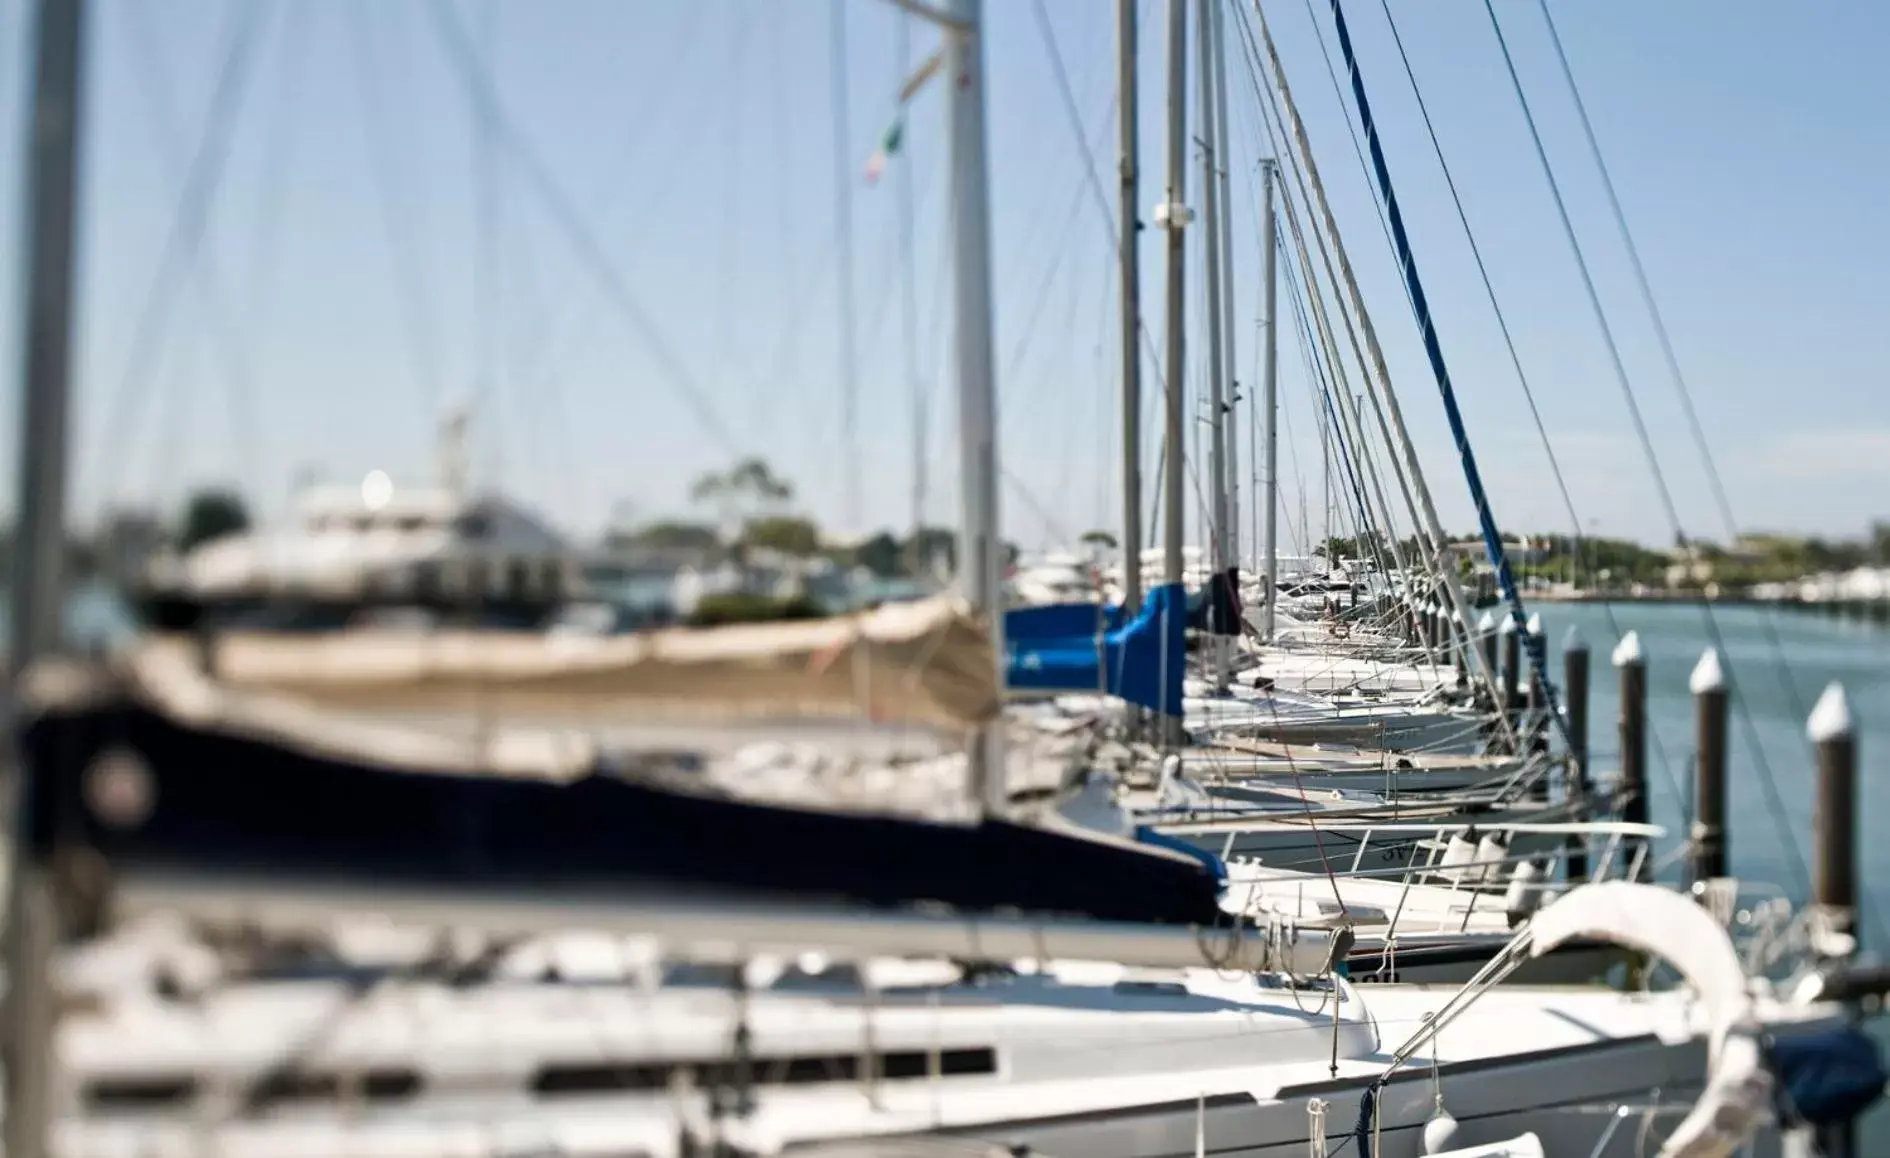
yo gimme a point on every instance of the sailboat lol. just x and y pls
(1017, 982)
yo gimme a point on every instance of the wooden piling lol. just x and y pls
(1575, 771)
(1533, 708)
(1834, 837)
(1486, 639)
(1708, 684)
(1631, 663)
(1834, 820)
(1529, 678)
(1512, 660)
(1459, 649)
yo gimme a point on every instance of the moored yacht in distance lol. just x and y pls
(376, 546)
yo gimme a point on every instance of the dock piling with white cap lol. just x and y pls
(1708, 685)
(1632, 664)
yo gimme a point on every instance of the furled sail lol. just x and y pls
(925, 662)
(166, 778)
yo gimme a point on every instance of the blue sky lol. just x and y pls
(694, 143)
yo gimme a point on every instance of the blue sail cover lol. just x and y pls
(1061, 620)
(1141, 663)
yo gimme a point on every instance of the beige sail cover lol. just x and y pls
(925, 663)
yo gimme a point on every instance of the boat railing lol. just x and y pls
(1482, 877)
(1235, 826)
(1771, 934)
(1646, 920)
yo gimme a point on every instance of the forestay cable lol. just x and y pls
(1532, 644)
(1515, 360)
(1681, 389)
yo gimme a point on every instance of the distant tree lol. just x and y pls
(1880, 542)
(1102, 540)
(784, 533)
(745, 491)
(212, 514)
(737, 607)
(668, 536)
(881, 554)
(748, 486)
(1844, 556)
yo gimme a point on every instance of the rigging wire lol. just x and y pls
(1775, 802)
(1671, 777)
(182, 242)
(728, 335)
(1654, 313)
(280, 148)
(1263, 136)
(488, 290)
(1664, 337)
(230, 342)
(1271, 113)
(843, 256)
(1153, 369)
(398, 216)
(1273, 123)
(784, 153)
(582, 240)
(643, 117)
(1532, 645)
(908, 295)
(1326, 382)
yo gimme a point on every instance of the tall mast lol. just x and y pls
(39, 547)
(909, 326)
(1230, 432)
(1211, 259)
(1173, 215)
(1379, 380)
(979, 547)
(1130, 260)
(843, 297)
(1269, 391)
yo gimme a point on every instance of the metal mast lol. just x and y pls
(39, 547)
(1230, 432)
(1269, 392)
(1130, 260)
(1211, 258)
(1173, 215)
(980, 549)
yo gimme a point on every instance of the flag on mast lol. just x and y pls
(888, 148)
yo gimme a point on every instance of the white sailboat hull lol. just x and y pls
(1147, 1097)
